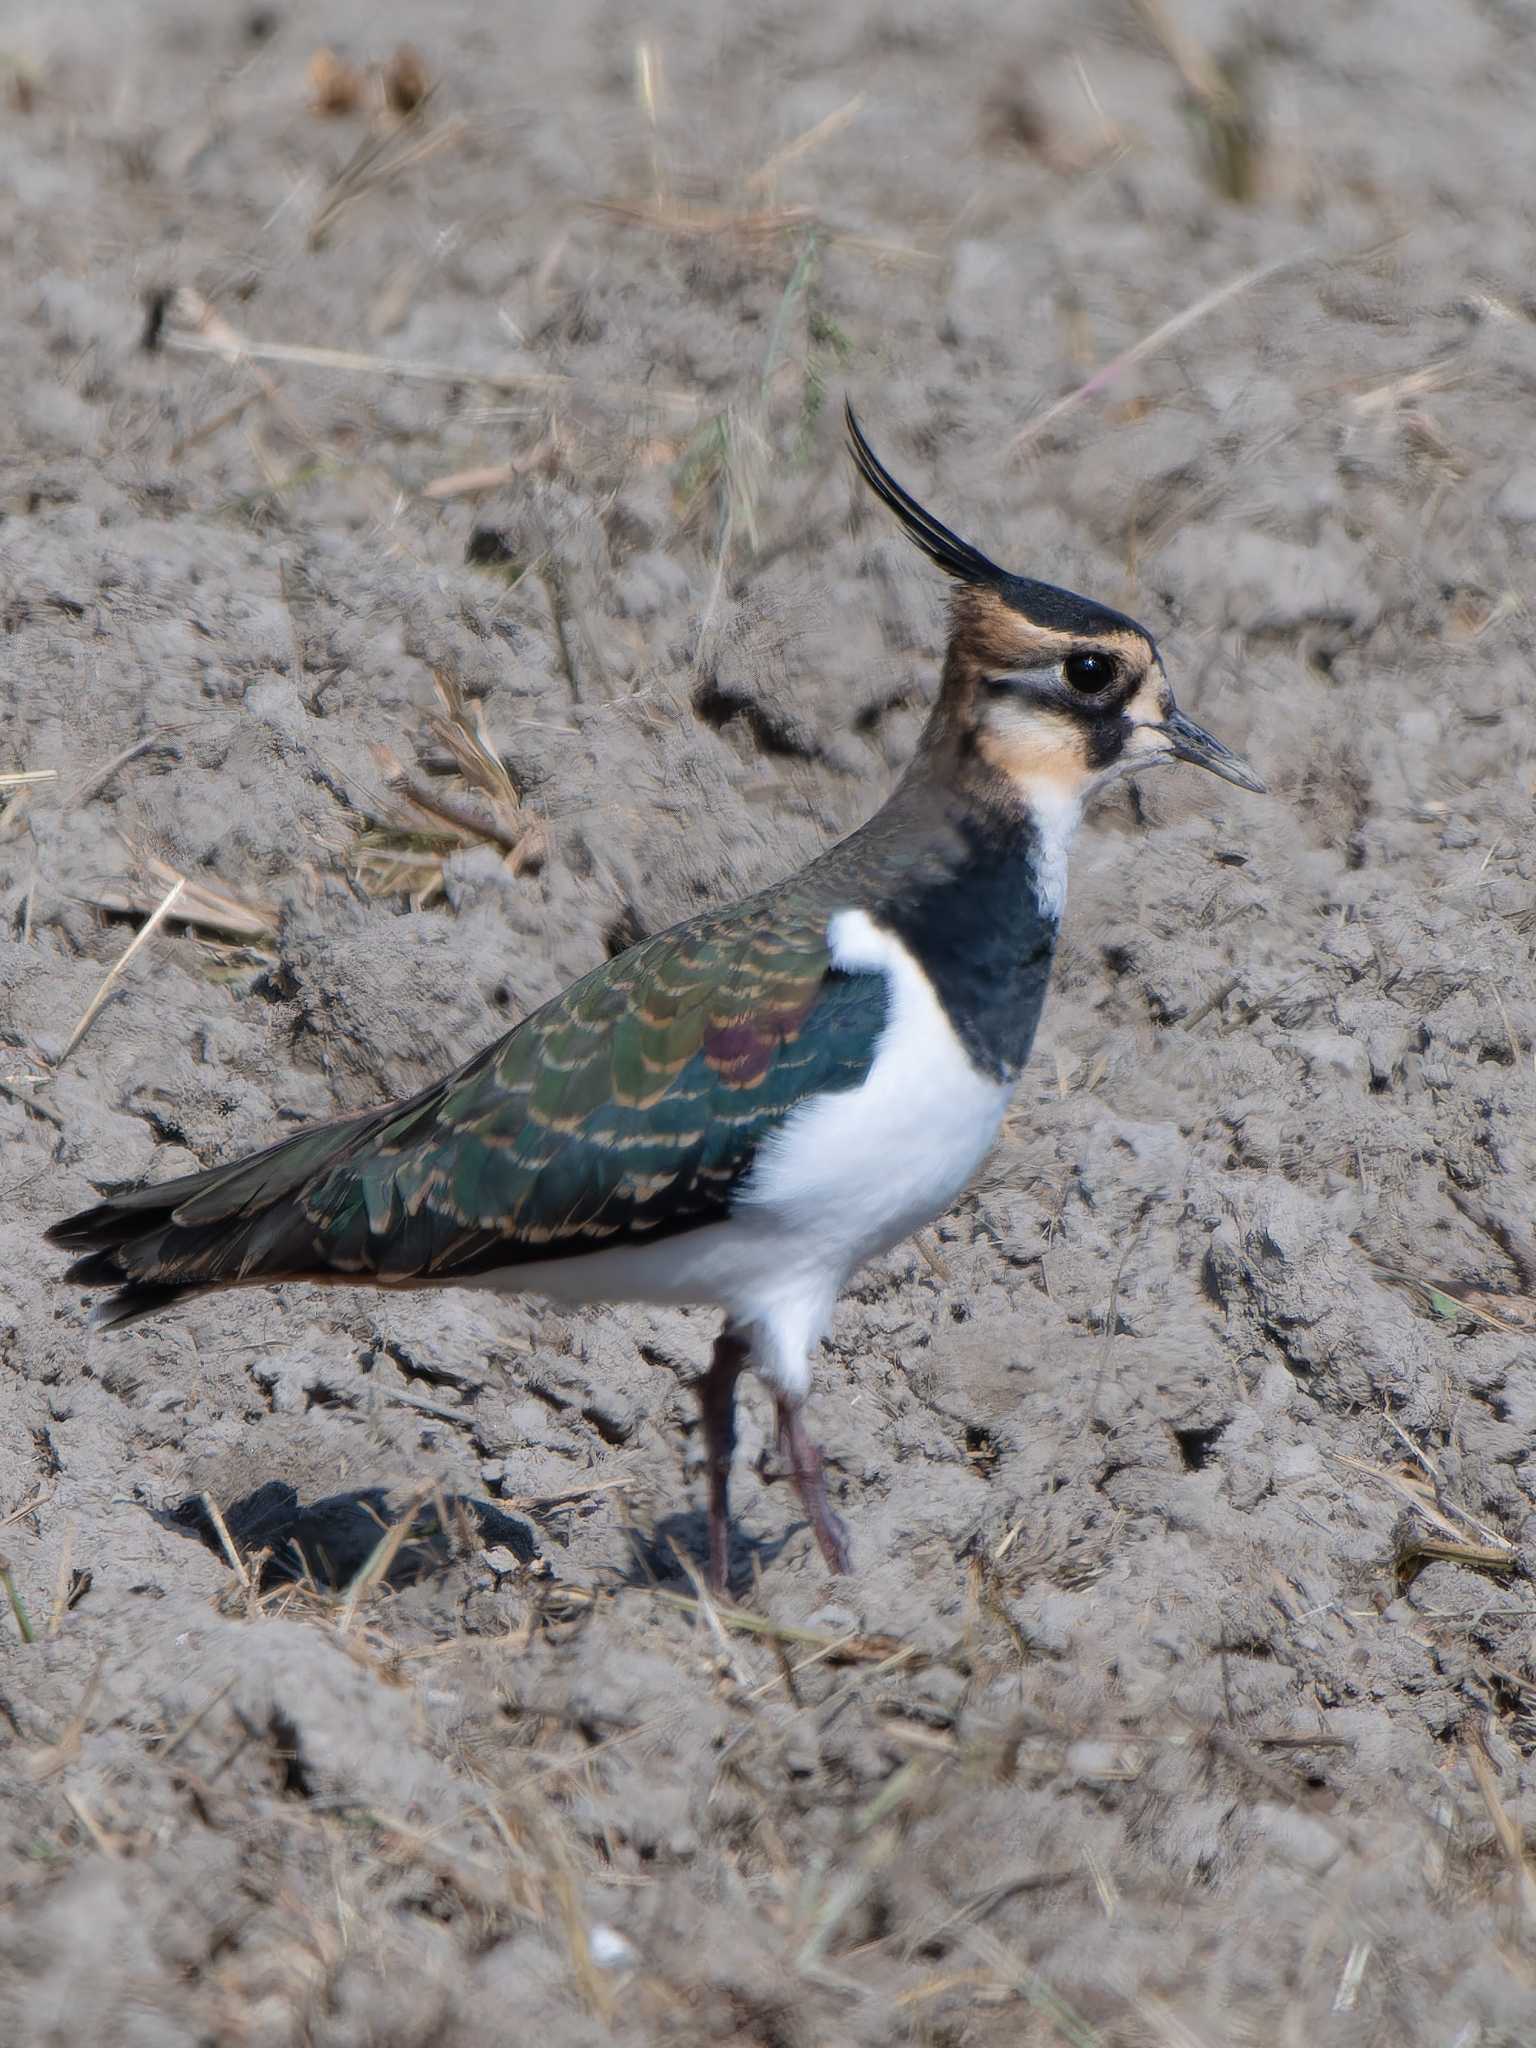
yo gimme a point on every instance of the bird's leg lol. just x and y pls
(806, 1469)
(717, 1403)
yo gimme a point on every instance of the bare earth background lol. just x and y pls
(1184, 1692)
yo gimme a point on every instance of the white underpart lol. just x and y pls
(845, 1177)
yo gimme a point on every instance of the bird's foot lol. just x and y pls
(808, 1470)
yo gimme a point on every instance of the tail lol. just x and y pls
(232, 1225)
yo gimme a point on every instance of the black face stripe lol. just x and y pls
(1105, 740)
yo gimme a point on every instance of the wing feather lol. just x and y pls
(629, 1108)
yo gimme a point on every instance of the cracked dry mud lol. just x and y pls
(1183, 1691)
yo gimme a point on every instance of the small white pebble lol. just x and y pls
(501, 1561)
(836, 1620)
(610, 1950)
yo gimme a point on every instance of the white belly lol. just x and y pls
(860, 1170)
(846, 1176)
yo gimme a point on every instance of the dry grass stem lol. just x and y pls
(810, 139)
(38, 1498)
(226, 1541)
(842, 1649)
(384, 1553)
(1008, 1974)
(196, 1718)
(1508, 1312)
(1513, 1314)
(478, 804)
(705, 1605)
(927, 1246)
(191, 322)
(648, 91)
(206, 903)
(99, 778)
(468, 483)
(1479, 1556)
(1505, 1827)
(1190, 59)
(1149, 344)
(106, 1843)
(227, 416)
(61, 1581)
(1484, 1546)
(378, 162)
(1382, 398)
(462, 814)
(139, 940)
(57, 1756)
(193, 328)
(15, 1089)
(693, 221)
(543, 1503)
(23, 1625)
(1222, 98)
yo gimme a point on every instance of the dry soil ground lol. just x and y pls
(1184, 1691)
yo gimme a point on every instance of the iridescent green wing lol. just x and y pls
(628, 1109)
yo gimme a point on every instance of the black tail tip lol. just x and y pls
(129, 1299)
(96, 1269)
(75, 1233)
(132, 1302)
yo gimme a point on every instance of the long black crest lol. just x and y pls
(1061, 611)
(953, 555)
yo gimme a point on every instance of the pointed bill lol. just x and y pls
(1191, 742)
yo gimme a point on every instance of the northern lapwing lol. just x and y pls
(744, 1109)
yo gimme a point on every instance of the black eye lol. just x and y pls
(1089, 673)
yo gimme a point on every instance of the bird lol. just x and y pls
(742, 1110)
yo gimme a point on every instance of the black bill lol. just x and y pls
(1192, 742)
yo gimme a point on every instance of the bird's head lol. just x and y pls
(1047, 691)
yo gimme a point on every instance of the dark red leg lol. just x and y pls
(717, 1402)
(805, 1466)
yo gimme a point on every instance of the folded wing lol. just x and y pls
(629, 1108)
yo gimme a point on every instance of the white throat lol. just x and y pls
(1056, 813)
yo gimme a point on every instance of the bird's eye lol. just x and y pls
(1089, 673)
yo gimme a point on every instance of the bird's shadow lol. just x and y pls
(656, 1553)
(329, 1542)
